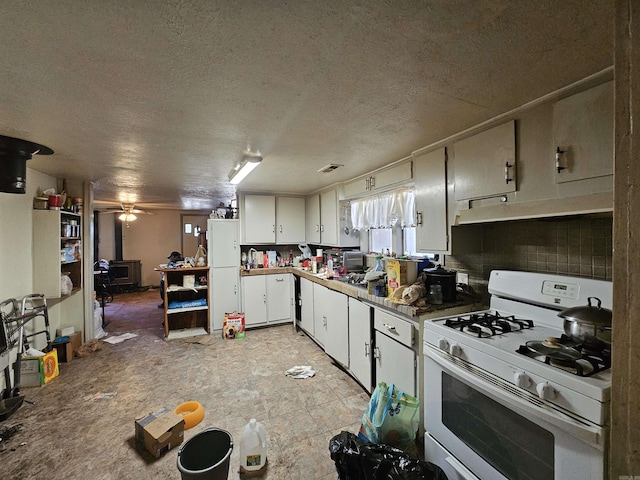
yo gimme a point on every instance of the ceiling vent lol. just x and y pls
(329, 168)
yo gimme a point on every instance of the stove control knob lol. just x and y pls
(521, 379)
(455, 350)
(546, 391)
(443, 344)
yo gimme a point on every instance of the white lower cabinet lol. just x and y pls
(360, 349)
(334, 306)
(395, 358)
(267, 299)
(306, 314)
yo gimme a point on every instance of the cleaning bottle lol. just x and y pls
(253, 447)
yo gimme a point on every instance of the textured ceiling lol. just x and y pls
(155, 101)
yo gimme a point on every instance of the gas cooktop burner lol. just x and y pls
(488, 324)
(588, 361)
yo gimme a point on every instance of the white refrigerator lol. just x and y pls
(223, 253)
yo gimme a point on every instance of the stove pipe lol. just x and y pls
(14, 154)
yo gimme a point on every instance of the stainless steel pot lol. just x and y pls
(589, 324)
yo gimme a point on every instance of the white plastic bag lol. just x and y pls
(66, 285)
(97, 321)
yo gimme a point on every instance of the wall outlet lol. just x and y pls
(462, 278)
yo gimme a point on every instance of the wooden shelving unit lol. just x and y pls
(188, 320)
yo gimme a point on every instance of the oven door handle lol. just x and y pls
(497, 388)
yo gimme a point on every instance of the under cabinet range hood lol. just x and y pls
(14, 154)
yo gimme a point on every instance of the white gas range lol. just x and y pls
(503, 399)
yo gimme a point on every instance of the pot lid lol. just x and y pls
(589, 314)
(552, 349)
(439, 271)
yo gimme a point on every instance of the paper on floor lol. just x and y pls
(300, 371)
(119, 338)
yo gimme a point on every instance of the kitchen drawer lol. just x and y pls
(394, 327)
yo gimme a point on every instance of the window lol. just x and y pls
(380, 239)
(409, 241)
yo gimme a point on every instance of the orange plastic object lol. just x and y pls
(192, 412)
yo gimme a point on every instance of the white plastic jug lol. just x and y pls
(253, 446)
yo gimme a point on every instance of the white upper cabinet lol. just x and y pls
(378, 181)
(259, 219)
(583, 134)
(223, 245)
(291, 220)
(486, 163)
(271, 219)
(329, 217)
(313, 219)
(431, 201)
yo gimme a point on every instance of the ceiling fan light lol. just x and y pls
(247, 166)
(127, 217)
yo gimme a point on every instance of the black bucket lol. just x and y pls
(206, 455)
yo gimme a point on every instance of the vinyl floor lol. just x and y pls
(81, 424)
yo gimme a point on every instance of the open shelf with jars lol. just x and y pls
(57, 252)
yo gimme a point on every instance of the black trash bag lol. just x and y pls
(357, 459)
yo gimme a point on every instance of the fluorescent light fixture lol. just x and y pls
(249, 162)
(127, 217)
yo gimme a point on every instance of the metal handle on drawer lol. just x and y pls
(280, 279)
(559, 154)
(389, 327)
(507, 178)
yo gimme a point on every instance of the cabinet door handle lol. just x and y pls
(317, 227)
(280, 228)
(507, 178)
(366, 349)
(366, 183)
(279, 279)
(376, 352)
(235, 244)
(419, 218)
(559, 154)
(372, 183)
(389, 327)
(265, 298)
(324, 321)
(322, 228)
(274, 228)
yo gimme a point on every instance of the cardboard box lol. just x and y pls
(233, 325)
(36, 371)
(400, 272)
(75, 340)
(66, 350)
(160, 430)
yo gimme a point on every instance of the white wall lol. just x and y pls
(150, 239)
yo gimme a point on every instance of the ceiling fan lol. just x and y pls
(128, 212)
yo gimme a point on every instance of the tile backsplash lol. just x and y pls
(580, 247)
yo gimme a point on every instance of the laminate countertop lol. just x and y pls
(412, 312)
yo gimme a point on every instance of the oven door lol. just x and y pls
(499, 431)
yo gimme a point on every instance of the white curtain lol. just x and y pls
(384, 211)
